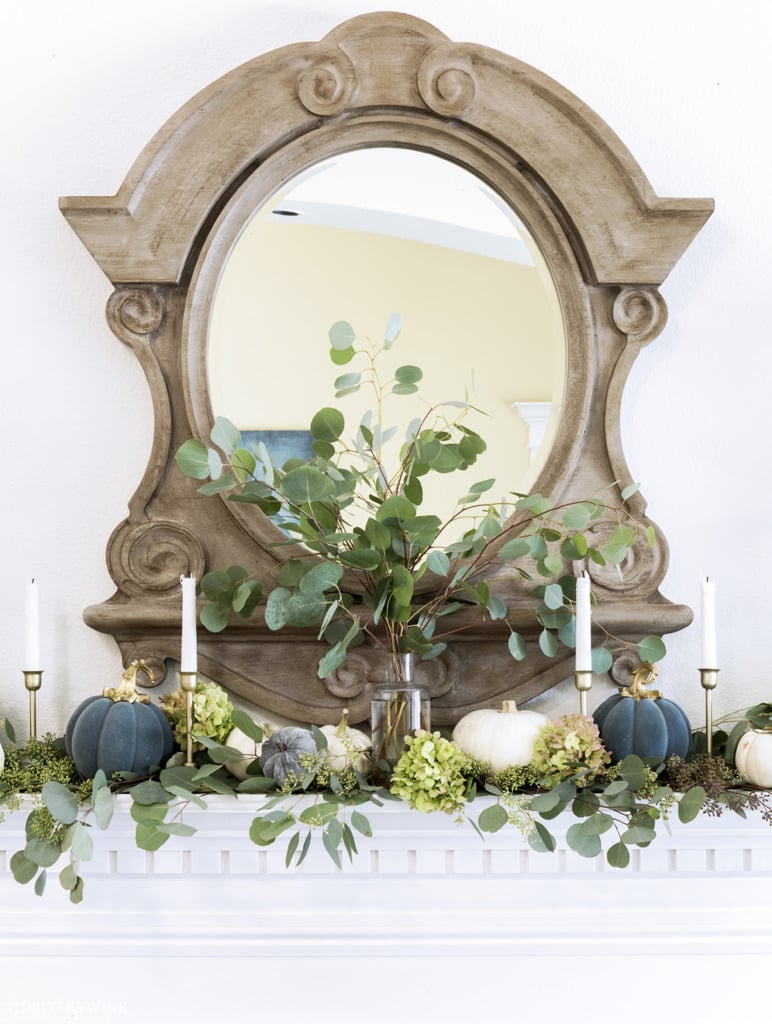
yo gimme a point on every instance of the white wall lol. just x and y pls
(85, 85)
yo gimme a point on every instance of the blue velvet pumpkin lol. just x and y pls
(636, 721)
(118, 732)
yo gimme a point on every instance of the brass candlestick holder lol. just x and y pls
(33, 681)
(583, 683)
(188, 685)
(709, 680)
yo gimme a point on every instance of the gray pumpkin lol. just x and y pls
(280, 753)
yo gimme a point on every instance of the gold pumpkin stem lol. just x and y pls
(509, 707)
(126, 689)
(643, 676)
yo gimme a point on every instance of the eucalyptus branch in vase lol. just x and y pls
(357, 507)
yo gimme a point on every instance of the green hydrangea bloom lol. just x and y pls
(430, 774)
(569, 746)
(212, 711)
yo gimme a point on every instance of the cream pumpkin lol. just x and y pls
(346, 747)
(753, 757)
(503, 737)
(239, 740)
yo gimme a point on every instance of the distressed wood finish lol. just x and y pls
(379, 79)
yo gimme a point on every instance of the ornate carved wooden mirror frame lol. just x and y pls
(378, 79)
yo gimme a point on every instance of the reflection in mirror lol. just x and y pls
(366, 234)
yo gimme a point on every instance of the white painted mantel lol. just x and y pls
(423, 892)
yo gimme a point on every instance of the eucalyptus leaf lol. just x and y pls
(277, 608)
(630, 490)
(638, 836)
(68, 877)
(516, 646)
(691, 803)
(514, 548)
(220, 485)
(225, 435)
(408, 374)
(548, 643)
(541, 839)
(215, 617)
(553, 596)
(149, 838)
(576, 517)
(342, 335)
(633, 770)
(193, 459)
(545, 802)
(214, 463)
(150, 792)
(618, 855)
(597, 824)
(306, 485)
(393, 327)
(360, 558)
(250, 728)
(361, 823)
(82, 843)
(602, 660)
(42, 852)
(586, 845)
(496, 607)
(319, 814)
(176, 828)
(103, 807)
(292, 846)
(332, 849)
(438, 562)
(492, 818)
(22, 868)
(60, 801)
(651, 648)
(148, 814)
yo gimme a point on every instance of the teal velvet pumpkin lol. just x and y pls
(118, 732)
(646, 726)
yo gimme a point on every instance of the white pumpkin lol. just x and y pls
(346, 747)
(753, 757)
(502, 738)
(249, 748)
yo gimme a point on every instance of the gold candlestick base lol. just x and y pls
(188, 685)
(33, 682)
(709, 680)
(583, 683)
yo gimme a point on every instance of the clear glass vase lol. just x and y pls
(399, 707)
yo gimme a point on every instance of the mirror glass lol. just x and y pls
(364, 235)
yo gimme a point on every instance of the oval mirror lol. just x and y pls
(363, 235)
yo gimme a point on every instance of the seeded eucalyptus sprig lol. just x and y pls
(358, 506)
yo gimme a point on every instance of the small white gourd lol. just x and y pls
(346, 747)
(753, 757)
(502, 738)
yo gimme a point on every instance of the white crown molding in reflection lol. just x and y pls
(535, 416)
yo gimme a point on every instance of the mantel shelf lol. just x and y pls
(420, 883)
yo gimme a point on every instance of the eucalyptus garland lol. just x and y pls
(570, 772)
